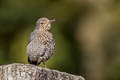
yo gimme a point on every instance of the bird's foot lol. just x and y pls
(44, 65)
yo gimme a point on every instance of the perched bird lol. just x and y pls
(41, 42)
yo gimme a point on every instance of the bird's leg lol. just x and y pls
(44, 65)
(39, 60)
(38, 63)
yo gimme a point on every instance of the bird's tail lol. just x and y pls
(34, 62)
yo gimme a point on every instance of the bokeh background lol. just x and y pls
(87, 34)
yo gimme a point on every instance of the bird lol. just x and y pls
(41, 42)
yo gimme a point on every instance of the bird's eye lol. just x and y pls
(41, 23)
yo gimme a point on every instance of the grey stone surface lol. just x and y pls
(17, 71)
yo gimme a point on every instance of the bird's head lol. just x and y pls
(44, 23)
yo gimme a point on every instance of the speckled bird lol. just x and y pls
(41, 42)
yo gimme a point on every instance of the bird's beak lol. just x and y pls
(52, 20)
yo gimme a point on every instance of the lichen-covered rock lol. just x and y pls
(18, 71)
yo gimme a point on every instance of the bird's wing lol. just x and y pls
(32, 35)
(35, 49)
(49, 48)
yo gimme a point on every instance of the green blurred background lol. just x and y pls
(87, 34)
